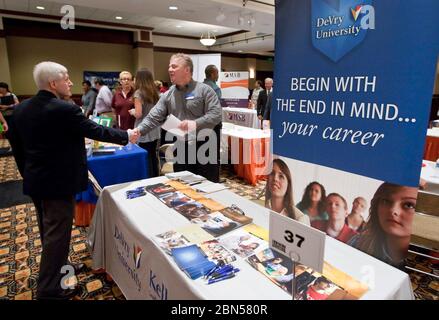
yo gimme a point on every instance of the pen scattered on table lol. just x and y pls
(135, 193)
(220, 272)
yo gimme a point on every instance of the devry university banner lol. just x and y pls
(234, 89)
(353, 84)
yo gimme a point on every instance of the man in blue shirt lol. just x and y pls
(212, 75)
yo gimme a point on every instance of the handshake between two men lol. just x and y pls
(185, 126)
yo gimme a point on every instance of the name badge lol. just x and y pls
(189, 96)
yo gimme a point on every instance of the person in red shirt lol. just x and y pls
(318, 290)
(335, 227)
(123, 101)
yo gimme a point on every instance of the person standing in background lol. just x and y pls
(264, 100)
(212, 75)
(88, 99)
(103, 99)
(145, 97)
(123, 101)
(8, 101)
(255, 94)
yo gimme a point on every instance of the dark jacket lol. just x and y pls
(262, 101)
(47, 139)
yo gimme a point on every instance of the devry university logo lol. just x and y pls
(338, 26)
(137, 253)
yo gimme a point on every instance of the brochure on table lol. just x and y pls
(218, 236)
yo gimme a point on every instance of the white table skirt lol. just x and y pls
(120, 225)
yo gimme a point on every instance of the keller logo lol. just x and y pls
(338, 26)
(137, 253)
(158, 287)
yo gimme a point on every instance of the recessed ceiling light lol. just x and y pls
(40, 8)
(118, 18)
(239, 51)
(178, 26)
(173, 8)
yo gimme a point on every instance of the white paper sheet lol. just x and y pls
(171, 124)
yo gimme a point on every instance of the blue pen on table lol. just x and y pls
(217, 275)
(224, 269)
(229, 275)
(211, 271)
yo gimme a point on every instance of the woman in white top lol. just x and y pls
(279, 193)
(255, 94)
(145, 98)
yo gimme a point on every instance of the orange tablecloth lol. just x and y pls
(431, 151)
(253, 160)
(83, 213)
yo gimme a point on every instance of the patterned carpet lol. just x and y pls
(20, 249)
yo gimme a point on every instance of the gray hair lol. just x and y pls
(187, 60)
(47, 71)
(269, 79)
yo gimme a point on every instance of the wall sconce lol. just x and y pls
(252, 73)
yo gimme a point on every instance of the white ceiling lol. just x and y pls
(193, 16)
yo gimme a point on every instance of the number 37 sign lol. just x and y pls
(301, 243)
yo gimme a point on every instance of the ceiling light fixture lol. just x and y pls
(40, 8)
(118, 18)
(178, 26)
(208, 40)
(173, 8)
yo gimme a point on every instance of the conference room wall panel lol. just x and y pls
(77, 56)
(264, 64)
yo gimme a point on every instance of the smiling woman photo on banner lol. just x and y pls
(279, 193)
(313, 202)
(388, 230)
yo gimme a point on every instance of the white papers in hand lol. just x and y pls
(171, 124)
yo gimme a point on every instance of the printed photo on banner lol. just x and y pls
(370, 215)
(353, 118)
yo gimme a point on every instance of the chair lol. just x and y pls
(425, 235)
(166, 156)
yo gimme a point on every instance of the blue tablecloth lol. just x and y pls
(128, 163)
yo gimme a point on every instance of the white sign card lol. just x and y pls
(300, 242)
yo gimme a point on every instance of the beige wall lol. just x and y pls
(77, 56)
(161, 63)
(234, 64)
(264, 65)
(143, 58)
(4, 64)
(176, 43)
